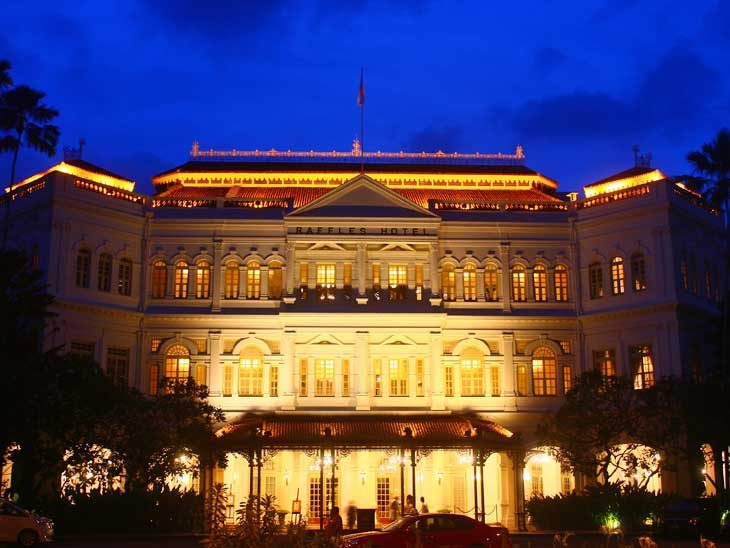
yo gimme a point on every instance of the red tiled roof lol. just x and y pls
(304, 195)
(377, 430)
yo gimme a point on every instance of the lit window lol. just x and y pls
(605, 362)
(397, 282)
(159, 279)
(202, 280)
(228, 379)
(519, 287)
(449, 380)
(494, 377)
(567, 378)
(231, 280)
(398, 377)
(419, 282)
(347, 280)
(491, 283)
(104, 280)
(125, 277)
(303, 281)
(420, 378)
(82, 348)
(181, 280)
(617, 276)
(177, 364)
(154, 379)
(684, 271)
(595, 279)
(470, 282)
(638, 272)
(275, 280)
(155, 344)
(376, 277)
(565, 345)
(642, 366)
(378, 380)
(201, 374)
(250, 373)
(521, 380)
(561, 283)
(253, 280)
(345, 377)
(448, 282)
(536, 483)
(324, 377)
(303, 369)
(539, 282)
(326, 282)
(83, 268)
(472, 373)
(273, 381)
(544, 372)
(117, 365)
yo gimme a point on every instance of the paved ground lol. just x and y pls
(531, 540)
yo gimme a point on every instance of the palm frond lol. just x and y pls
(43, 138)
(8, 143)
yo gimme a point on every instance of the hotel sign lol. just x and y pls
(361, 231)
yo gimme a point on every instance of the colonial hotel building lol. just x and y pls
(395, 332)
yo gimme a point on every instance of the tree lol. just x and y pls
(5, 80)
(25, 120)
(606, 429)
(711, 165)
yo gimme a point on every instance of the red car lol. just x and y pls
(432, 531)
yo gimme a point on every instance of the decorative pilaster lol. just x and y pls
(361, 370)
(264, 282)
(506, 281)
(286, 374)
(434, 267)
(438, 402)
(290, 268)
(216, 367)
(508, 366)
(217, 275)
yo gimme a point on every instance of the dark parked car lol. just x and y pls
(691, 518)
(432, 531)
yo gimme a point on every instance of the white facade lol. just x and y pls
(234, 315)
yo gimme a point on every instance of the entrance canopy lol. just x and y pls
(365, 431)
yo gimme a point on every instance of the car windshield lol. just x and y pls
(398, 524)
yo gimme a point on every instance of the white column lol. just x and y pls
(216, 367)
(310, 378)
(216, 273)
(362, 263)
(506, 277)
(286, 373)
(338, 377)
(434, 267)
(290, 268)
(361, 368)
(437, 372)
(412, 377)
(508, 367)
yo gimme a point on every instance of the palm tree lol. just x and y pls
(24, 119)
(5, 80)
(711, 165)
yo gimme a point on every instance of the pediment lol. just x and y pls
(398, 340)
(325, 340)
(328, 246)
(362, 197)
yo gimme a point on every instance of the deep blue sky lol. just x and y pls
(575, 83)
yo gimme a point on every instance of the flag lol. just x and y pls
(361, 93)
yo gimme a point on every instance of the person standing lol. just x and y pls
(424, 506)
(351, 513)
(394, 509)
(334, 524)
(410, 509)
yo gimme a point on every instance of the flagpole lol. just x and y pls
(361, 103)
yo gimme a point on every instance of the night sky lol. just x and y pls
(575, 83)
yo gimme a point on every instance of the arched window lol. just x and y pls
(177, 364)
(231, 283)
(595, 279)
(519, 284)
(561, 283)
(471, 369)
(448, 282)
(275, 280)
(83, 268)
(182, 272)
(159, 279)
(638, 272)
(253, 280)
(617, 276)
(539, 282)
(251, 373)
(202, 280)
(544, 372)
(470, 282)
(491, 283)
(104, 280)
(125, 277)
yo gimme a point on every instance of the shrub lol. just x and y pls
(598, 507)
